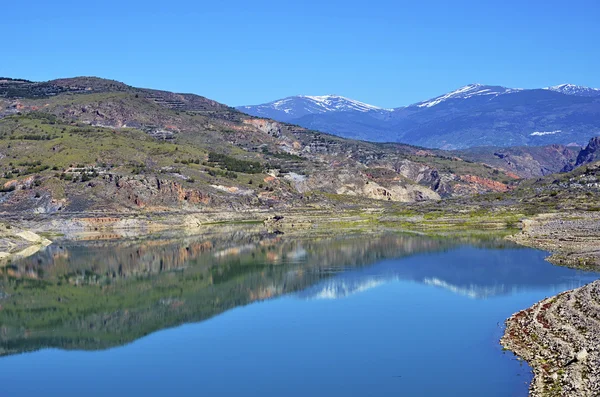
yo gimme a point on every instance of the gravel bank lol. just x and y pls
(560, 339)
(573, 239)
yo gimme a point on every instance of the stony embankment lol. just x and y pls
(18, 243)
(573, 239)
(560, 338)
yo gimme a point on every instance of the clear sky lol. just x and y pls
(388, 53)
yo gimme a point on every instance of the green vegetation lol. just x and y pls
(282, 155)
(82, 150)
(233, 164)
(225, 174)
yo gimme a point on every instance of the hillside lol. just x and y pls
(525, 161)
(93, 145)
(473, 115)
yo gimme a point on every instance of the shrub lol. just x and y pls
(7, 189)
(233, 164)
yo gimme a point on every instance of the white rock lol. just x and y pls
(29, 236)
(582, 355)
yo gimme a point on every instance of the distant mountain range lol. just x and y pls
(473, 115)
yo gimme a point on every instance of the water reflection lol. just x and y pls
(98, 294)
(477, 274)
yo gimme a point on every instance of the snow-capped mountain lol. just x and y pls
(466, 92)
(336, 103)
(473, 115)
(578, 90)
(301, 105)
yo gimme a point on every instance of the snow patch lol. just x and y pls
(542, 133)
(466, 92)
(572, 89)
(340, 103)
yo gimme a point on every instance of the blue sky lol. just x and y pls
(388, 53)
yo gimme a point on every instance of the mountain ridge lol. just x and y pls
(473, 115)
(296, 106)
(572, 89)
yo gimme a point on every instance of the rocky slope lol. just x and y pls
(525, 161)
(589, 154)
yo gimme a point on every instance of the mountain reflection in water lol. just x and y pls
(477, 274)
(98, 294)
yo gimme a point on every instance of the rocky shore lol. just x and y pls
(17, 243)
(573, 239)
(560, 339)
(560, 336)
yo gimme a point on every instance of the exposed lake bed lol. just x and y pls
(355, 315)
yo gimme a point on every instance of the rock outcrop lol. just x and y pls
(560, 338)
(589, 154)
(16, 243)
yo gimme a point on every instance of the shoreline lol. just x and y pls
(297, 222)
(559, 337)
(573, 239)
(16, 243)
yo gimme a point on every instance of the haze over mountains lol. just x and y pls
(473, 115)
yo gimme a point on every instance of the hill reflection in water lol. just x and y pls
(98, 294)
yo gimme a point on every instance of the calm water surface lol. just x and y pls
(249, 314)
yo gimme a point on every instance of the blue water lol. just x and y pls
(426, 324)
